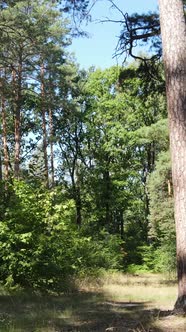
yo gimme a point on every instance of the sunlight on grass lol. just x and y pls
(153, 289)
(116, 299)
(171, 323)
(163, 297)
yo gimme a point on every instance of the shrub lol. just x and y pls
(40, 245)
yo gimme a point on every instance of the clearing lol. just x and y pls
(117, 302)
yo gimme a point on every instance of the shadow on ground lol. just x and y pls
(79, 312)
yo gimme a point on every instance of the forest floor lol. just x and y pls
(115, 303)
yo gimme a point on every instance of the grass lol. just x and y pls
(116, 301)
(155, 289)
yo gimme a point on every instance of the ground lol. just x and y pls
(116, 302)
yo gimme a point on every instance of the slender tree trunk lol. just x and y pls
(51, 130)
(173, 30)
(17, 82)
(43, 112)
(4, 139)
(77, 191)
(51, 146)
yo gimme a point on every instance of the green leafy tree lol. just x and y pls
(120, 142)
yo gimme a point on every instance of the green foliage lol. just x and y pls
(102, 251)
(40, 245)
(96, 138)
(161, 198)
(165, 258)
(33, 219)
(162, 226)
(160, 255)
(155, 259)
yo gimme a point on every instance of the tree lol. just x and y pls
(114, 158)
(174, 55)
(33, 39)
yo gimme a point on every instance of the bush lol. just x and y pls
(40, 245)
(165, 259)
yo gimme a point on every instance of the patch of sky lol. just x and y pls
(98, 49)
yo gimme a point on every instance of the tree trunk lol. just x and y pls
(173, 30)
(43, 112)
(51, 147)
(77, 191)
(4, 139)
(17, 82)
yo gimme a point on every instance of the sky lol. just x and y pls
(98, 49)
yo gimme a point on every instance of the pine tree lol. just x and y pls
(174, 54)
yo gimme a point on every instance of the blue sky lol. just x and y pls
(98, 49)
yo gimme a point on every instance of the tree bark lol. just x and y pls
(51, 147)
(17, 82)
(4, 139)
(43, 112)
(173, 30)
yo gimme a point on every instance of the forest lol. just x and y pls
(85, 167)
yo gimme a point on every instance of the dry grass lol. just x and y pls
(170, 324)
(158, 291)
(117, 301)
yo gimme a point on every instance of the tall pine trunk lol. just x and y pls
(51, 130)
(17, 86)
(4, 139)
(173, 30)
(51, 147)
(44, 128)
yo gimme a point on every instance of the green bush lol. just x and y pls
(161, 259)
(165, 259)
(40, 245)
